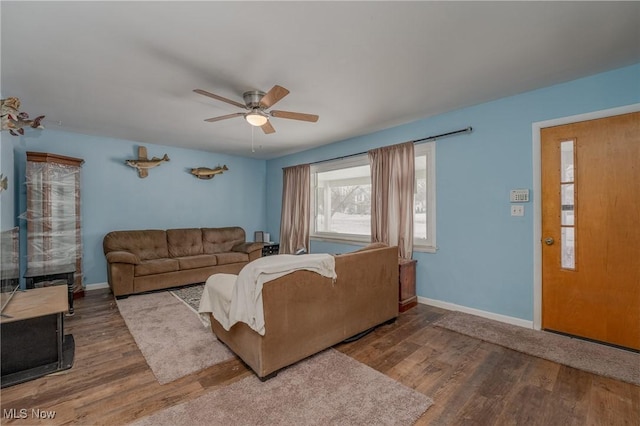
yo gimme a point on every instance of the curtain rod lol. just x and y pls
(430, 138)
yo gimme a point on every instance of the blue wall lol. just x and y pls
(114, 197)
(7, 197)
(485, 257)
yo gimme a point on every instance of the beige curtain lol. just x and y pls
(294, 221)
(392, 188)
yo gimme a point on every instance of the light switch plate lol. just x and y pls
(517, 210)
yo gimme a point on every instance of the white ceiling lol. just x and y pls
(127, 70)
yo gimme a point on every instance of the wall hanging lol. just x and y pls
(143, 164)
(4, 182)
(207, 173)
(13, 120)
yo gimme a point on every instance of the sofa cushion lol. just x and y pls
(146, 244)
(155, 266)
(220, 240)
(199, 261)
(231, 257)
(184, 242)
(122, 257)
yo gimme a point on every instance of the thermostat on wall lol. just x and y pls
(519, 196)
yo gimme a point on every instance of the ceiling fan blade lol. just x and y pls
(274, 95)
(224, 117)
(267, 128)
(295, 116)
(220, 98)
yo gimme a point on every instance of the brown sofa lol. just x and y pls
(152, 259)
(305, 312)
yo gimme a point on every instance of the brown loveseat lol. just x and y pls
(305, 312)
(152, 259)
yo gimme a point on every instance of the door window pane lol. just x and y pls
(566, 161)
(568, 248)
(567, 205)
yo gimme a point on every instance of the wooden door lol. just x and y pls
(591, 229)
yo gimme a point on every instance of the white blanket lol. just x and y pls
(246, 295)
(216, 296)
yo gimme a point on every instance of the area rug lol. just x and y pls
(190, 295)
(584, 355)
(170, 335)
(329, 388)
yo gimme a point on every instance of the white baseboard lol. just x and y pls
(96, 286)
(423, 300)
(490, 315)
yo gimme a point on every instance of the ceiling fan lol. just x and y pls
(257, 103)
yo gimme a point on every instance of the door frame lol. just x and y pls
(536, 127)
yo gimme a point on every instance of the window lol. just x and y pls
(341, 199)
(424, 199)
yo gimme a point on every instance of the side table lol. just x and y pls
(270, 249)
(407, 285)
(39, 274)
(33, 341)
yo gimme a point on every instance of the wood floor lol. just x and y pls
(470, 381)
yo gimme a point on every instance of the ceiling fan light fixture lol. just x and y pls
(256, 119)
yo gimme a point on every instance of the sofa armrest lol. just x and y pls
(122, 257)
(248, 247)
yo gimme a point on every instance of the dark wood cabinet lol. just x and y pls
(407, 284)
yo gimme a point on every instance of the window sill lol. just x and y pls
(346, 240)
(354, 242)
(425, 249)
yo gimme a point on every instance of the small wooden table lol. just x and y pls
(33, 342)
(38, 274)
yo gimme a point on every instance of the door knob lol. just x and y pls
(548, 241)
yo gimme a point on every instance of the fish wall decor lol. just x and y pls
(207, 173)
(14, 121)
(143, 164)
